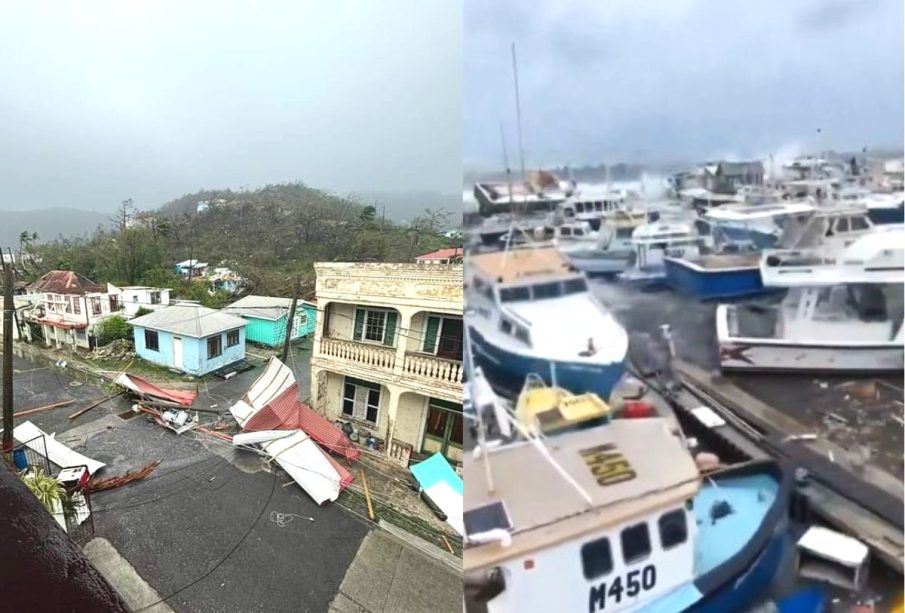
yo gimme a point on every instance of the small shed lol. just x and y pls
(266, 318)
(190, 338)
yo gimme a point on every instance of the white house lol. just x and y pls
(193, 267)
(70, 307)
(135, 297)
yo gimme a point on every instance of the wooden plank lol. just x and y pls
(95, 404)
(44, 408)
(364, 483)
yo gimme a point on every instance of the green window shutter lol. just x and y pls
(430, 334)
(390, 335)
(359, 324)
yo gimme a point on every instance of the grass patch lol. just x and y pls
(138, 367)
(355, 501)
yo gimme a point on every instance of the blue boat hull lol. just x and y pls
(713, 284)
(507, 371)
(744, 580)
(883, 216)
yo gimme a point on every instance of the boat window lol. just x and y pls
(565, 231)
(673, 530)
(569, 212)
(635, 543)
(522, 335)
(842, 224)
(574, 286)
(624, 232)
(859, 223)
(506, 326)
(598, 206)
(513, 294)
(579, 207)
(596, 558)
(578, 232)
(547, 290)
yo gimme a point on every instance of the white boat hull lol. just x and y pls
(779, 355)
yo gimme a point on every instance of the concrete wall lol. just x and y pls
(41, 569)
(194, 351)
(341, 320)
(410, 416)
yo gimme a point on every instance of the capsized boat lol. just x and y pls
(840, 314)
(593, 520)
(530, 311)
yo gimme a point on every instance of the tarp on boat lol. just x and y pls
(309, 466)
(443, 486)
(145, 388)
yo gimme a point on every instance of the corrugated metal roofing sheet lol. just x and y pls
(189, 320)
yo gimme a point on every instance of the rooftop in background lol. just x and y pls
(65, 282)
(189, 319)
(442, 254)
(517, 264)
(262, 307)
(545, 509)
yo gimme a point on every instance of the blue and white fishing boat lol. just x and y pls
(591, 520)
(738, 233)
(530, 311)
(734, 271)
(652, 243)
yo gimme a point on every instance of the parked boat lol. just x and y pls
(530, 311)
(596, 522)
(592, 206)
(840, 314)
(614, 252)
(736, 272)
(885, 208)
(653, 242)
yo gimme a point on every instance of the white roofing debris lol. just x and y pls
(306, 463)
(261, 436)
(57, 452)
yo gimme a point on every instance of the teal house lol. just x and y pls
(266, 317)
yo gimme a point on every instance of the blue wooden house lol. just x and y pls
(266, 317)
(190, 338)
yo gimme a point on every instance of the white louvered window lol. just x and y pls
(361, 400)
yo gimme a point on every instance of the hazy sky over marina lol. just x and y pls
(654, 80)
(104, 100)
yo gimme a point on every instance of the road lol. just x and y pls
(213, 529)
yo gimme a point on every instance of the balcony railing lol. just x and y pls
(431, 367)
(360, 353)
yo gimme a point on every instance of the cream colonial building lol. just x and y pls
(387, 353)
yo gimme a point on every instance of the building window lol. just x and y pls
(673, 530)
(596, 558)
(361, 400)
(95, 305)
(135, 298)
(76, 305)
(378, 326)
(443, 337)
(232, 338)
(155, 297)
(635, 543)
(444, 422)
(214, 346)
(151, 340)
(114, 303)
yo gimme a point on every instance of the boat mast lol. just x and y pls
(482, 438)
(518, 113)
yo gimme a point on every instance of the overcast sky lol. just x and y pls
(101, 101)
(658, 80)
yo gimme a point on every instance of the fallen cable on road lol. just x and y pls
(98, 485)
(281, 519)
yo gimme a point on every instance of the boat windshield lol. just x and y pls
(543, 291)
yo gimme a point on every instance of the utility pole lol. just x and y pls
(295, 297)
(8, 310)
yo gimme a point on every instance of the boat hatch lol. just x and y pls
(487, 519)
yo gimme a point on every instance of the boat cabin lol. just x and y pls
(602, 525)
(592, 208)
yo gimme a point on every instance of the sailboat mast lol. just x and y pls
(518, 113)
(506, 165)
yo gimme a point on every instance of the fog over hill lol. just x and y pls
(48, 223)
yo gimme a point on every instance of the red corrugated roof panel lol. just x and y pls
(287, 412)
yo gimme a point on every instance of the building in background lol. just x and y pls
(69, 308)
(387, 354)
(135, 297)
(267, 315)
(190, 338)
(452, 255)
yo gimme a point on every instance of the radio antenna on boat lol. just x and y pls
(482, 435)
(518, 113)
